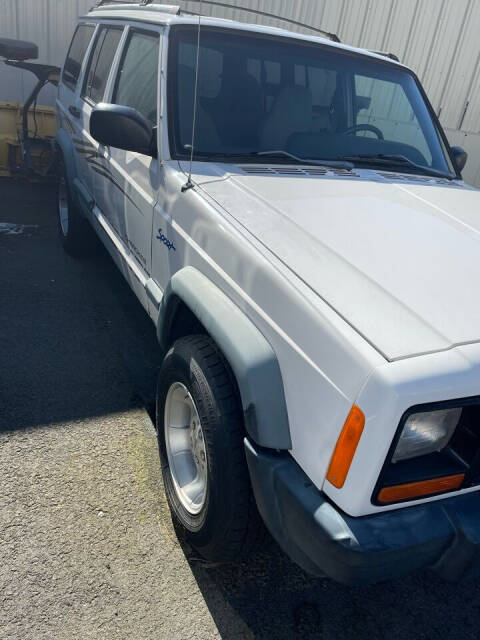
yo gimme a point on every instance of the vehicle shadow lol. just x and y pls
(74, 340)
(270, 597)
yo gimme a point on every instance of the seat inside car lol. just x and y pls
(206, 134)
(291, 114)
(238, 108)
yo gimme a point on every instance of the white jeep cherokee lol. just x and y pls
(290, 214)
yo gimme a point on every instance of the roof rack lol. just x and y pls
(385, 54)
(100, 3)
(167, 8)
(332, 36)
(128, 4)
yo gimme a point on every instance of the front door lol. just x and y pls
(126, 190)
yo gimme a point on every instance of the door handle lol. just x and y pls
(76, 113)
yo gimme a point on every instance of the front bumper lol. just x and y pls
(442, 535)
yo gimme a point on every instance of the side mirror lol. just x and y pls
(460, 157)
(123, 128)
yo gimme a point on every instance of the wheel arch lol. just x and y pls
(66, 150)
(193, 298)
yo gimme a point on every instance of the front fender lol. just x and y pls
(250, 356)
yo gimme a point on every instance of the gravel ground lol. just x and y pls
(87, 548)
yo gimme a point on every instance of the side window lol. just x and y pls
(76, 53)
(137, 79)
(101, 60)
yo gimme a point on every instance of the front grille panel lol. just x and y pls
(465, 443)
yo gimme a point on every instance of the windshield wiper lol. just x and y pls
(279, 153)
(394, 160)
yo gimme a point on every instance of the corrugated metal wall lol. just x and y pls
(438, 38)
(50, 24)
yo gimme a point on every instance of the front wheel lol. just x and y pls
(200, 433)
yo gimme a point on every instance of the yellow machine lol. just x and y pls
(41, 126)
(27, 131)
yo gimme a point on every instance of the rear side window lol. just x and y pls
(100, 63)
(76, 53)
(137, 79)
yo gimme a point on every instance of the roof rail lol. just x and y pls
(385, 54)
(129, 4)
(167, 8)
(100, 3)
(333, 36)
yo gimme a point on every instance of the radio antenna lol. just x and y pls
(189, 183)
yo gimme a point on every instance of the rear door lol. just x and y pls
(126, 189)
(100, 61)
(69, 112)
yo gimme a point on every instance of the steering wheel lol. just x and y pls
(364, 127)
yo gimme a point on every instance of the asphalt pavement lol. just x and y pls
(87, 547)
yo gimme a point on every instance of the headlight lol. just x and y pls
(434, 452)
(426, 432)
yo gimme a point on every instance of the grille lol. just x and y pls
(465, 443)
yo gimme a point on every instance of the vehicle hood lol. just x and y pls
(398, 260)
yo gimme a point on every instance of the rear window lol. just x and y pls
(100, 63)
(76, 53)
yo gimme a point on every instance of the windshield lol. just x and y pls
(261, 95)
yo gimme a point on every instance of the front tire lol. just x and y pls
(76, 235)
(200, 433)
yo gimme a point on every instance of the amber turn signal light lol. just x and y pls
(346, 447)
(419, 489)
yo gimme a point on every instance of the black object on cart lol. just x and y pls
(18, 54)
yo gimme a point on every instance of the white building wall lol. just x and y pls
(49, 23)
(437, 38)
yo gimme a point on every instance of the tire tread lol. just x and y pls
(247, 532)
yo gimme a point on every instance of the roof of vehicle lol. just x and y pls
(173, 15)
